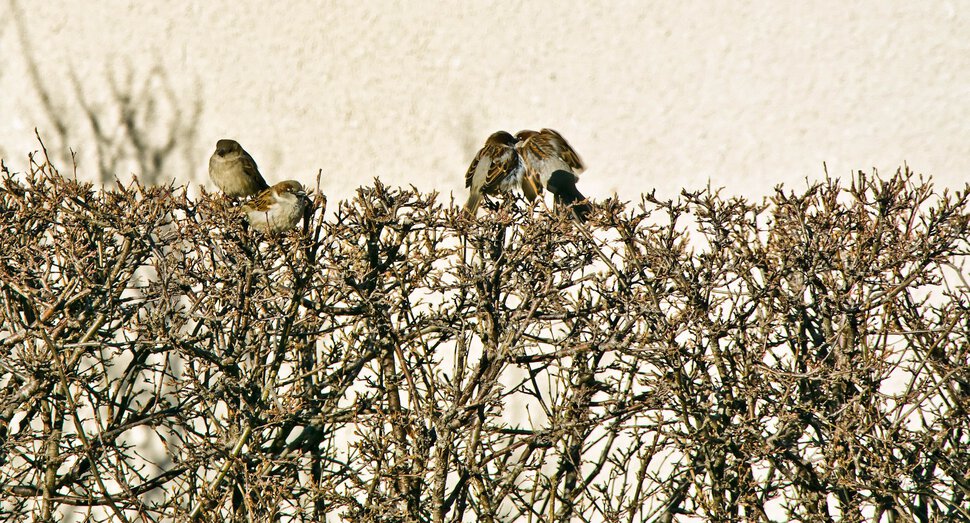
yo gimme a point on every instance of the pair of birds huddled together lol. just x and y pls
(532, 161)
(272, 209)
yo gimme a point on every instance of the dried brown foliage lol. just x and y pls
(802, 359)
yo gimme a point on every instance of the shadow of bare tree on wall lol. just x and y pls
(139, 124)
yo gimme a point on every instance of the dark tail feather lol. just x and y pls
(563, 185)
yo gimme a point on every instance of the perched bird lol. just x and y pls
(555, 165)
(496, 168)
(234, 171)
(278, 208)
(546, 151)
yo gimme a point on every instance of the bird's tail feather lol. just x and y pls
(474, 200)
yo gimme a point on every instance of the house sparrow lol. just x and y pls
(496, 168)
(278, 208)
(234, 171)
(553, 164)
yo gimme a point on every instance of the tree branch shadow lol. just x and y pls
(145, 125)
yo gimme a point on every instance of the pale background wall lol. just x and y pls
(653, 94)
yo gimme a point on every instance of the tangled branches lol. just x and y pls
(805, 358)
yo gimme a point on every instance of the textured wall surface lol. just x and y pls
(653, 94)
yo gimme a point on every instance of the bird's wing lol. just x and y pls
(261, 202)
(566, 152)
(505, 161)
(470, 174)
(252, 171)
(490, 167)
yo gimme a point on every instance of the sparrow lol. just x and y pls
(234, 171)
(552, 163)
(496, 168)
(278, 208)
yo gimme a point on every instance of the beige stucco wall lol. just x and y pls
(653, 94)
